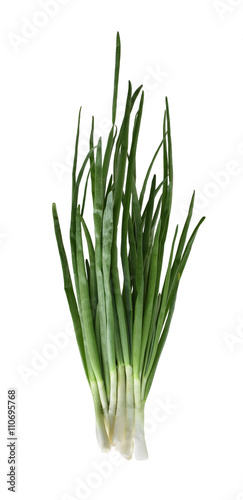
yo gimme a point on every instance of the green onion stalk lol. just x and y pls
(122, 317)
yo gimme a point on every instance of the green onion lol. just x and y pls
(121, 320)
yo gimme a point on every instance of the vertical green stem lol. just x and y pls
(119, 427)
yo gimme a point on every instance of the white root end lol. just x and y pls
(127, 445)
(126, 448)
(141, 452)
(101, 434)
(112, 406)
(123, 424)
(101, 431)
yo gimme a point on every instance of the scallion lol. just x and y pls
(121, 320)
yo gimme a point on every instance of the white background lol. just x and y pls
(191, 51)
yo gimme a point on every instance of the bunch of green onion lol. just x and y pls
(122, 322)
